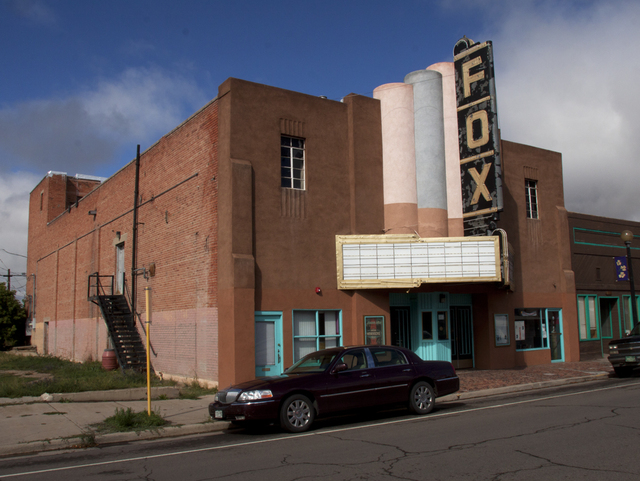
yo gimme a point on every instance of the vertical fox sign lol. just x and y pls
(480, 168)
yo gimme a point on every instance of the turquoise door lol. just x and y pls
(268, 337)
(434, 331)
(556, 344)
(422, 321)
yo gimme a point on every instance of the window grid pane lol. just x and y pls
(292, 163)
(582, 317)
(314, 330)
(531, 193)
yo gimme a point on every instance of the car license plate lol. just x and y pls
(218, 414)
(630, 359)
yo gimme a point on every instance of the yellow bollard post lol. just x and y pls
(147, 292)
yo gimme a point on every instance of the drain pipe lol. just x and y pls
(135, 240)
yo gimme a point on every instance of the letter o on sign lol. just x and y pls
(480, 116)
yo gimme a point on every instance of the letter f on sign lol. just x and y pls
(467, 79)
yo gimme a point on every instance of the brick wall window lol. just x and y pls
(531, 192)
(292, 163)
(315, 330)
(587, 318)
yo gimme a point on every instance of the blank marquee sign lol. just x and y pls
(397, 261)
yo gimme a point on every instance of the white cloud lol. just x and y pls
(81, 132)
(14, 217)
(142, 103)
(565, 80)
(78, 134)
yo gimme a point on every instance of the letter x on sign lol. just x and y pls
(480, 179)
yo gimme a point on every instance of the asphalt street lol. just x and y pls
(582, 431)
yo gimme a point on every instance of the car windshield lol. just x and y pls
(315, 362)
(635, 331)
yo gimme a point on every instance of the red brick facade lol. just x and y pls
(177, 230)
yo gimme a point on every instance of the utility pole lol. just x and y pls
(8, 275)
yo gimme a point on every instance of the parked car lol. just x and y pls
(337, 380)
(624, 353)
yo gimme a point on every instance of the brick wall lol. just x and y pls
(177, 231)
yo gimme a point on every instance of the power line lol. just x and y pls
(8, 275)
(12, 253)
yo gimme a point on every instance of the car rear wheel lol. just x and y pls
(422, 398)
(296, 414)
(623, 371)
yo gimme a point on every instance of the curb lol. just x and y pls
(521, 387)
(83, 442)
(132, 394)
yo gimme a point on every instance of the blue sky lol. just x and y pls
(83, 82)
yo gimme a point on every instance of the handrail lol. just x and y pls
(100, 289)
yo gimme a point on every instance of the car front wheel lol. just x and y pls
(422, 398)
(296, 414)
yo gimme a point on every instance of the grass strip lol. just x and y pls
(65, 376)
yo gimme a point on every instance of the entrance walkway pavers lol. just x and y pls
(30, 425)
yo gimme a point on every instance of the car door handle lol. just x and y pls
(365, 375)
(406, 370)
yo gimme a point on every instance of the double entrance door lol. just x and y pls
(432, 327)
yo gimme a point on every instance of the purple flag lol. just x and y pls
(622, 271)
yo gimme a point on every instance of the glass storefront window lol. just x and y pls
(531, 329)
(427, 326)
(443, 326)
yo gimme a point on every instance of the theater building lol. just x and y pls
(273, 223)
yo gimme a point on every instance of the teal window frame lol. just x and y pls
(627, 313)
(587, 319)
(315, 336)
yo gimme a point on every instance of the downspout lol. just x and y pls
(33, 303)
(135, 240)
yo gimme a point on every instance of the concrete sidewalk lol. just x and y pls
(30, 425)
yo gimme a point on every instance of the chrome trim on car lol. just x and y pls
(392, 387)
(350, 392)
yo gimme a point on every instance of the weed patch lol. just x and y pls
(125, 420)
(195, 390)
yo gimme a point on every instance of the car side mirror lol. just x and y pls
(339, 368)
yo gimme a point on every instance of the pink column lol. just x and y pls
(399, 158)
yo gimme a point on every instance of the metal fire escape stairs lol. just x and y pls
(120, 322)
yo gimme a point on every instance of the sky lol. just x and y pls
(83, 82)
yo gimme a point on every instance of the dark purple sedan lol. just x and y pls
(338, 380)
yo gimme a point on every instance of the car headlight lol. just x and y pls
(613, 349)
(255, 395)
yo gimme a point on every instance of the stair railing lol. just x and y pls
(98, 287)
